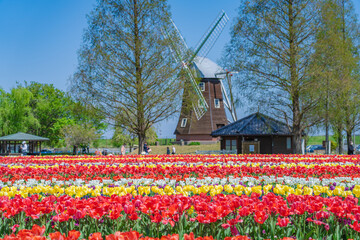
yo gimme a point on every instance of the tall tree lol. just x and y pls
(335, 66)
(271, 44)
(125, 66)
(350, 77)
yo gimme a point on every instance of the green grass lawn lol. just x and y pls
(183, 149)
(317, 140)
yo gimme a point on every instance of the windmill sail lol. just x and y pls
(211, 35)
(180, 53)
(209, 108)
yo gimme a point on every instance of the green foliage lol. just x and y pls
(43, 110)
(78, 135)
(121, 137)
(151, 136)
(194, 143)
(334, 145)
(335, 67)
(166, 141)
(16, 113)
(84, 113)
(126, 68)
(271, 43)
(51, 107)
(96, 143)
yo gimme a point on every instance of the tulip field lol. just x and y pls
(132, 197)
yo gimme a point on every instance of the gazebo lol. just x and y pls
(10, 145)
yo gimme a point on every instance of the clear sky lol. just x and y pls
(39, 39)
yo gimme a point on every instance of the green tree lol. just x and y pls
(50, 106)
(126, 69)
(335, 68)
(79, 135)
(16, 113)
(121, 137)
(4, 113)
(151, 136)
(85, 114)
(271, 45)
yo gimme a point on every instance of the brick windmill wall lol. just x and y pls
(189, 129)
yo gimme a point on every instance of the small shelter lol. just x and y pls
(10, 145)
(256, 134)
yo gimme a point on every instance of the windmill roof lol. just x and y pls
(254, 124)
(20, 136)
(206, 68)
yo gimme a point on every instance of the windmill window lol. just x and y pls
(217, 103)
(183, 122)
(202, 86)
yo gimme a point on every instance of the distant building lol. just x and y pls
(256, 134)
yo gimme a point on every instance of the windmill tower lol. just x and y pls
(189, 128)
(208, 108)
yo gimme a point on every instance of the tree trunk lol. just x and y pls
(294, 81)
(349, 140)
(340, 142)
(139, 81)
(327, 149)
(297, 140)
(74, 150)
(141, 138)
(297, 130)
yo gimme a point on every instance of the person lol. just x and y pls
(168, 151)
(351, 149)
(123, 150)
(146, 149)
(173, 149)
(24, 148)
(104, 152)
(97, 152)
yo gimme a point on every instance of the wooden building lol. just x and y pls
(189, 129)
(256, 134)
(10, 145)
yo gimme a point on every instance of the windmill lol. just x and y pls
(207, 112)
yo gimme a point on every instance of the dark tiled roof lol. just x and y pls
(254, 124)
(22, 137)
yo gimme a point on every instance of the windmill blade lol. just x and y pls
(200, 106)
(229, 99)
(177, 46)
(209, 38)
(180, 51)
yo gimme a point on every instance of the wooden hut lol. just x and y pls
(256, 134)
(10, 145)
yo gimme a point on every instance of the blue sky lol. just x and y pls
(39, 39)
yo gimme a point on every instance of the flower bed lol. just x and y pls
(180, 197)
